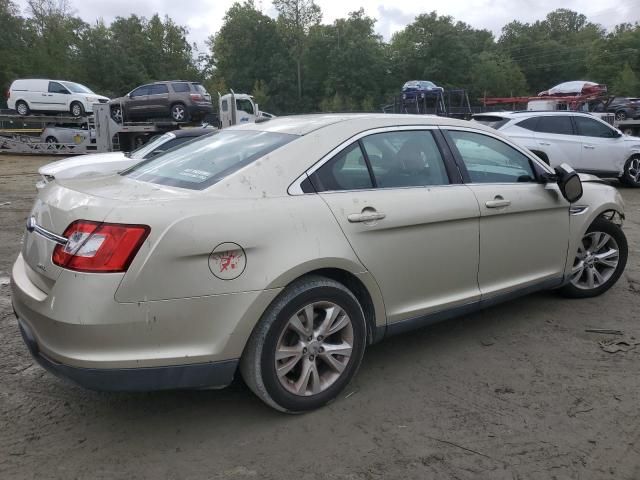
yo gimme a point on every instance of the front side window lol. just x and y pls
(559, 125)
(405, 159)
(55, 87)
(589, 127)
(489, 160)
(244, 105)
(207, 160)
(140, 91)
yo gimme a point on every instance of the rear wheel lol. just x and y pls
(179, 113)
(599, 262)
(51, 139)
(77, 109)
(22, 108)
(631, 175)
(307, 346)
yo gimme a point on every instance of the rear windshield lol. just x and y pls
(492, 121)
(207, 160)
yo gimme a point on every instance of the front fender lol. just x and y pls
(596, 200)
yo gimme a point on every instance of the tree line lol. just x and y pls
(295, 63)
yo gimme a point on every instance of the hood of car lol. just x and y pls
(97, 163)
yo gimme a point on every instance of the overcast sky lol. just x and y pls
(204, 17)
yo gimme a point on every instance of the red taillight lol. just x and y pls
(99, 247)
(196, 97)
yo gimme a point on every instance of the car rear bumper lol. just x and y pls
(200, 375)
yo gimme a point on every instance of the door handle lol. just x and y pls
(546, 144)
(498, 202)
(590, 147)
(364, 217)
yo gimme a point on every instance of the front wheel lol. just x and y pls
(307, 346)
(599, 262)
(77, 109)
(631, 175)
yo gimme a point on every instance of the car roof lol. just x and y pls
(305, 124)
(193, 132)
(532, 113)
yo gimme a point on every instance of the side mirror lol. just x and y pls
(569, 183)
(617, 133)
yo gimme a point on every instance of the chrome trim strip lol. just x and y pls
(33, 227)
(578, 209)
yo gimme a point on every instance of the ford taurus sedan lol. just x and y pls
(282, 249)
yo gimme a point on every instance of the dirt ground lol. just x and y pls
(519, 391)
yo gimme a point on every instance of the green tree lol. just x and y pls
(496, 75)
(296, 17)
(627, 82)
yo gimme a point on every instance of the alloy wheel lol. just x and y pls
(633, 170)
(22, 109)
(596, 261)
(177, 112)
(621, 116)
(116, 114)
(76, 110)
(314, 348)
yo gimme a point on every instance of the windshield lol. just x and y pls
(144, 150)
(207, 160)
(76, 87)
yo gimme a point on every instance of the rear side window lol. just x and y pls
(405, 159)
(225, 106)
(158, 89)
(593, 128)
(559, 125)
(199, 88)
(346, 171)
(492, 121)
(55, 87)
(180, 87)
(529, 123)
(489, 160)
(208, 159)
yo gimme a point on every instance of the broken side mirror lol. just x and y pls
(569, 183)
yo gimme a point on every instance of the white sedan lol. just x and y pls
(280, 250)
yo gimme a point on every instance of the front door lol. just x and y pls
(602, 148)
(57, 97)
(137, 104)
(524, 224)
(413, 228)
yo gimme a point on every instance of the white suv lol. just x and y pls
(582, 140)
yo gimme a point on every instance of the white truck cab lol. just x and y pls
(238, 108)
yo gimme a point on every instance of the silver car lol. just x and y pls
(282, 249)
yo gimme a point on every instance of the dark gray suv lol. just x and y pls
(182, 100)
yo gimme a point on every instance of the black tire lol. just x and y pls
(117, 114)
(22, 108)
(77, 109)
(631, 175)
(605, 226)
(258, 364)
(179, 113)
(51, 139)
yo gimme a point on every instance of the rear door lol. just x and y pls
(158, 99)
(556, 137)
(524, 224)
(410, 221)
(602, 149)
